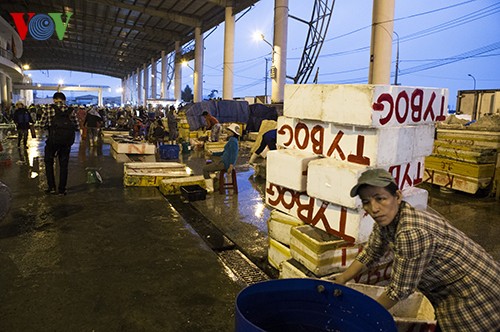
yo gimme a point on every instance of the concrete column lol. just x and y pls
(99, 97)
(3, 88)
(153, 78)
(124, 90)
(228, 73)
(139, 87)
(198, 65)
(163, 81)
(278, 73)
(177, 72)
(145, 85)
(381, 42)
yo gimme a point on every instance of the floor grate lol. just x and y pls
(242, 267)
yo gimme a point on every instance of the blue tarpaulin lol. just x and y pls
(223, 110)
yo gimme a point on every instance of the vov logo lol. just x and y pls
(41, 26)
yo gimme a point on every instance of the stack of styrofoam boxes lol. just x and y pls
(330, 135)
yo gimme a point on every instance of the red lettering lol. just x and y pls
(430, 175)
(21, 25)
(401, 118)
(317, 137)
(429, 111)
(358, 158)
(298, 128)
(290, 204)
(418, 176)
(308, 208)
(416, 105)
(406, 178)
(282, 130)
(378, 107)
(450, 180)
(385, 97)
(335, 146)
(441, 115)
(398, 173)
(270, 191)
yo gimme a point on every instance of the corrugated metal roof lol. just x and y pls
(113, 37)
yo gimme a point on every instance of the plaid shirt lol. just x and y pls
(46, 119)
(457, 275)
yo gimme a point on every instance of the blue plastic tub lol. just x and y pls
(288, 305)
(169, 151)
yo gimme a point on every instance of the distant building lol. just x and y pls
(11, 71)
(86, 100)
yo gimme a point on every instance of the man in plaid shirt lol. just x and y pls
(54, 147)
(457, 275)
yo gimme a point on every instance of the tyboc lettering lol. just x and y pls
(410, 108)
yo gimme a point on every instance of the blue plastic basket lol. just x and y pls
(169, 151)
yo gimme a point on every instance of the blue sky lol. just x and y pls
(440, 43)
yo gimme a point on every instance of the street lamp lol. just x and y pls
(473, 79)
(260, 36)
(397, 59)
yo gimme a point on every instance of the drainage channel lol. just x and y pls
(230, 255)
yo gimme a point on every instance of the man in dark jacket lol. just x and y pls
(59, 141)
(23, 121)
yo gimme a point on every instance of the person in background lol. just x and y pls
(61, 123)
(173, 132)
(156, 133)
(213, 125)
(227, 158)
(23, 121)
(93, 122)
(457, 275)
(268, 141)
(81, 114)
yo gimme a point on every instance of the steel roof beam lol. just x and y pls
(168, 15)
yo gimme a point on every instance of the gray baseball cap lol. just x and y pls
(375, 177)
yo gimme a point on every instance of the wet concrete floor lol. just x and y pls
(110, 258)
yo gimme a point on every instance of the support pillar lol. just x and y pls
(124, 90)
(381, 42)
(198, 65)
(99, 97)
(163, 80)
(139, 87)
(228, 74)
(145, 85)
(153, 78)
(177, 72)
(278, 73)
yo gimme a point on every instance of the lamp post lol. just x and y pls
(397, 59)
(260, 36)
(473, 79)
(474, 107)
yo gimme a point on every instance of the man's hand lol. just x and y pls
(230, 169)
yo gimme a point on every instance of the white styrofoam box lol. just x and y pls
(279, 225)
(288, 168)
(331, 180)
(413, 314)
(320, 252)
(277, 253)
(358, 145)
(417, 197)
(350, 225)
(131, 147)
(365, 104)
